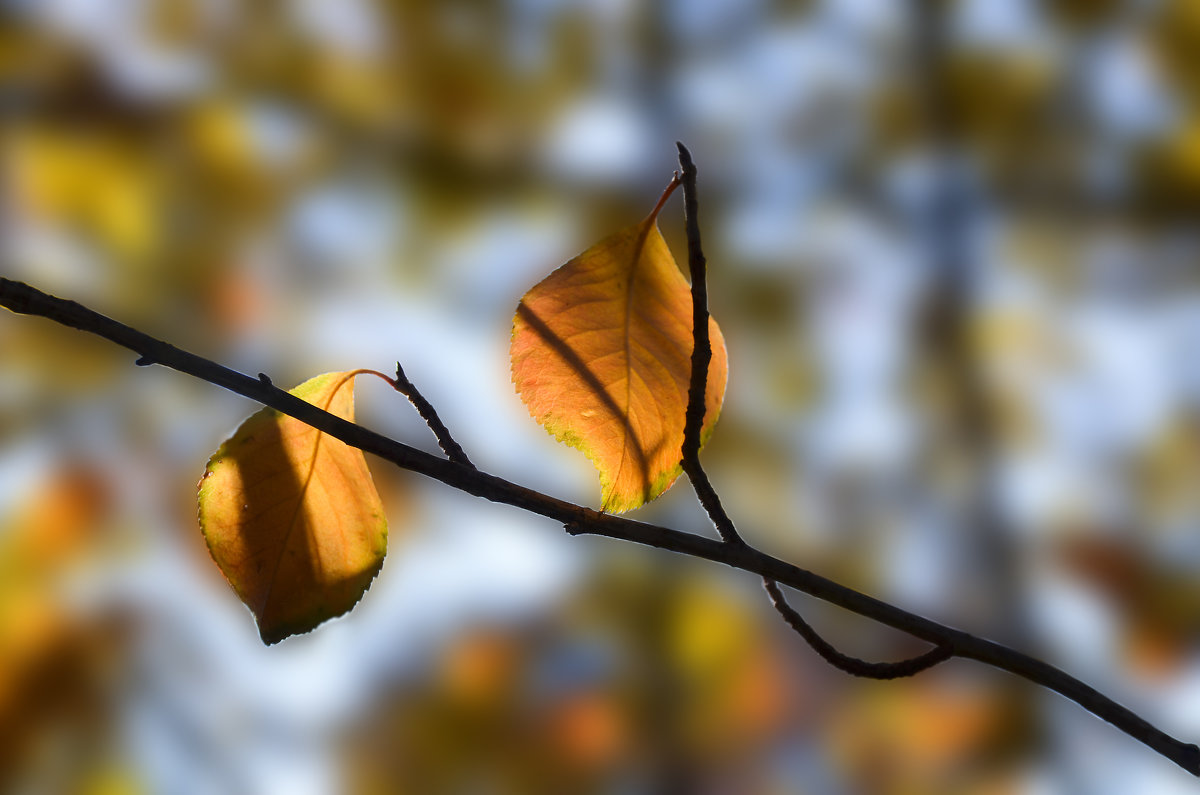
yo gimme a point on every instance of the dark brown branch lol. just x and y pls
(451, 448)
(579, 520)
(698, 270)
(701, 357)
(697, 386)
(844, 662)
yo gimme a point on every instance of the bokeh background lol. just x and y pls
(301, 186)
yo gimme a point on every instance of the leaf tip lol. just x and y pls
(270, 637)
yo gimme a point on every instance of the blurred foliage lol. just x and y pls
(302, 186)
(58, 667)
(642, 680)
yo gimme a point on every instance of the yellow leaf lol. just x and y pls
(601, 355)
(291, 516)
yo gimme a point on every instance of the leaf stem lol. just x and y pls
(368, 371)
(666, 194)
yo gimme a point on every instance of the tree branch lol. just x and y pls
(23, 299)
(701, 357)
(451, 448)
(697, 385)
(844, 662)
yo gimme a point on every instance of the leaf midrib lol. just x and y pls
(638, 247)
(312, 468)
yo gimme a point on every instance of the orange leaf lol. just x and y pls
(601, 355)
(291, 516)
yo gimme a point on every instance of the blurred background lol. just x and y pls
(953, 251)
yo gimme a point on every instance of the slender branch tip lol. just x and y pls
(445, 440)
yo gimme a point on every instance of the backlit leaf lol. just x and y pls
(601, 355)
(291, 516)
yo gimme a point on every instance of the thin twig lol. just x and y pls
(701, 356)
(697, 386)
(451, 448)
(579, 520)
(844, 662)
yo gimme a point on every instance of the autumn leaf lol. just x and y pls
(291, 516)
(601, 355)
